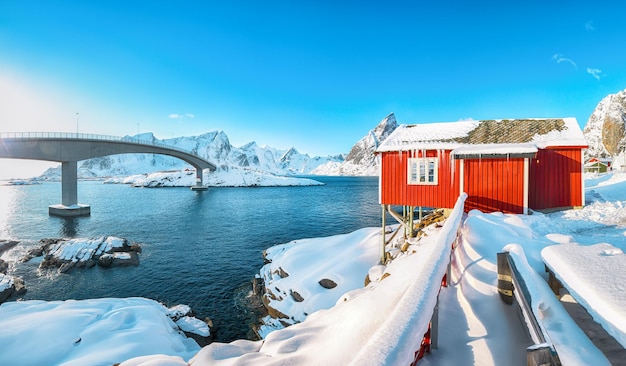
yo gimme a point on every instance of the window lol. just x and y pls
(423, 171)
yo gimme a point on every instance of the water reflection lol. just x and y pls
(69, 227)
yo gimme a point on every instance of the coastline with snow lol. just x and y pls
(474, 323)
(225, 177)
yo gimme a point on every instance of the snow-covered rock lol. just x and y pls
(10, 285)
(294, 284)
(361, 161)
(80, 252)
(605, 130)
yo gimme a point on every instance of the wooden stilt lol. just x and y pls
(384, 242)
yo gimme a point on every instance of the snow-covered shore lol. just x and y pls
(476, 327)
(232, 177)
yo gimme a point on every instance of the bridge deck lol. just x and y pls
(70, 148)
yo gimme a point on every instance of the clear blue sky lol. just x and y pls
(316, 75)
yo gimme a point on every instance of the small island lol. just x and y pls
(67, 254)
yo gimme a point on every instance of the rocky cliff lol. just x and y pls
(605, 130)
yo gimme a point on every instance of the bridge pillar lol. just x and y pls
(199, 185)
(69, 193)
(69, 183)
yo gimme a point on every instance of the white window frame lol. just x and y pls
(419, 172)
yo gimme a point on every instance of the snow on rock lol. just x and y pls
(67, 254)
(605, 130)
(183, 316)
(294, 283)
(10, 286)
(193, 325)
(594, 275)
(89, 332)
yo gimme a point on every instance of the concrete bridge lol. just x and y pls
(70, 148)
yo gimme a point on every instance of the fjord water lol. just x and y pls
(199, 248)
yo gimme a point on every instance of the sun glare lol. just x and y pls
(28, 109)
(21, 169)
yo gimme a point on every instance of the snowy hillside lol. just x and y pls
(605, 130)
(213, 146)
(361, 160)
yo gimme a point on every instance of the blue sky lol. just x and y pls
(316, 75)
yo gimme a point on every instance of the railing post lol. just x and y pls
(540, 355)
(434, 326)
(505, 281)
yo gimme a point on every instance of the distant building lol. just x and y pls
(510, 165)
(596, 165)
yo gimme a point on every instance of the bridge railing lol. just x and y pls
(87, 136)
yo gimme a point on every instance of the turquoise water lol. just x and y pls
(199, 248)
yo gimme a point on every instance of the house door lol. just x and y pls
(494, 184)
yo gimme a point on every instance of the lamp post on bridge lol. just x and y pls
(76, 124)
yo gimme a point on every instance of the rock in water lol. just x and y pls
(67, 254)
(7, 244)
(10, 285)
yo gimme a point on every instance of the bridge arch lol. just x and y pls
(70, 148)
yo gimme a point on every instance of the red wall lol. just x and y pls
(396, 191)
(556, 179)
(494, 185)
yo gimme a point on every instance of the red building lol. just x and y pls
(503, 165)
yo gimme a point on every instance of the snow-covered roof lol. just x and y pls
(514, 133)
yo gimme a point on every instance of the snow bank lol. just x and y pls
(88, 332)
(594, 275)
(293, 278)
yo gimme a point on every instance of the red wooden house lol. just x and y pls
(503, 165)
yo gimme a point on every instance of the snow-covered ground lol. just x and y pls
(92, 332)
(475, 326)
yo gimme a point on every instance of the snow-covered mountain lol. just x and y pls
(605, 130)
(213, 146)
(361, 159)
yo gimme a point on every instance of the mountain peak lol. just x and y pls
(361, 160)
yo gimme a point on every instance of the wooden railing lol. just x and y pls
(556, 338)
(415, 322)
(512, 288)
